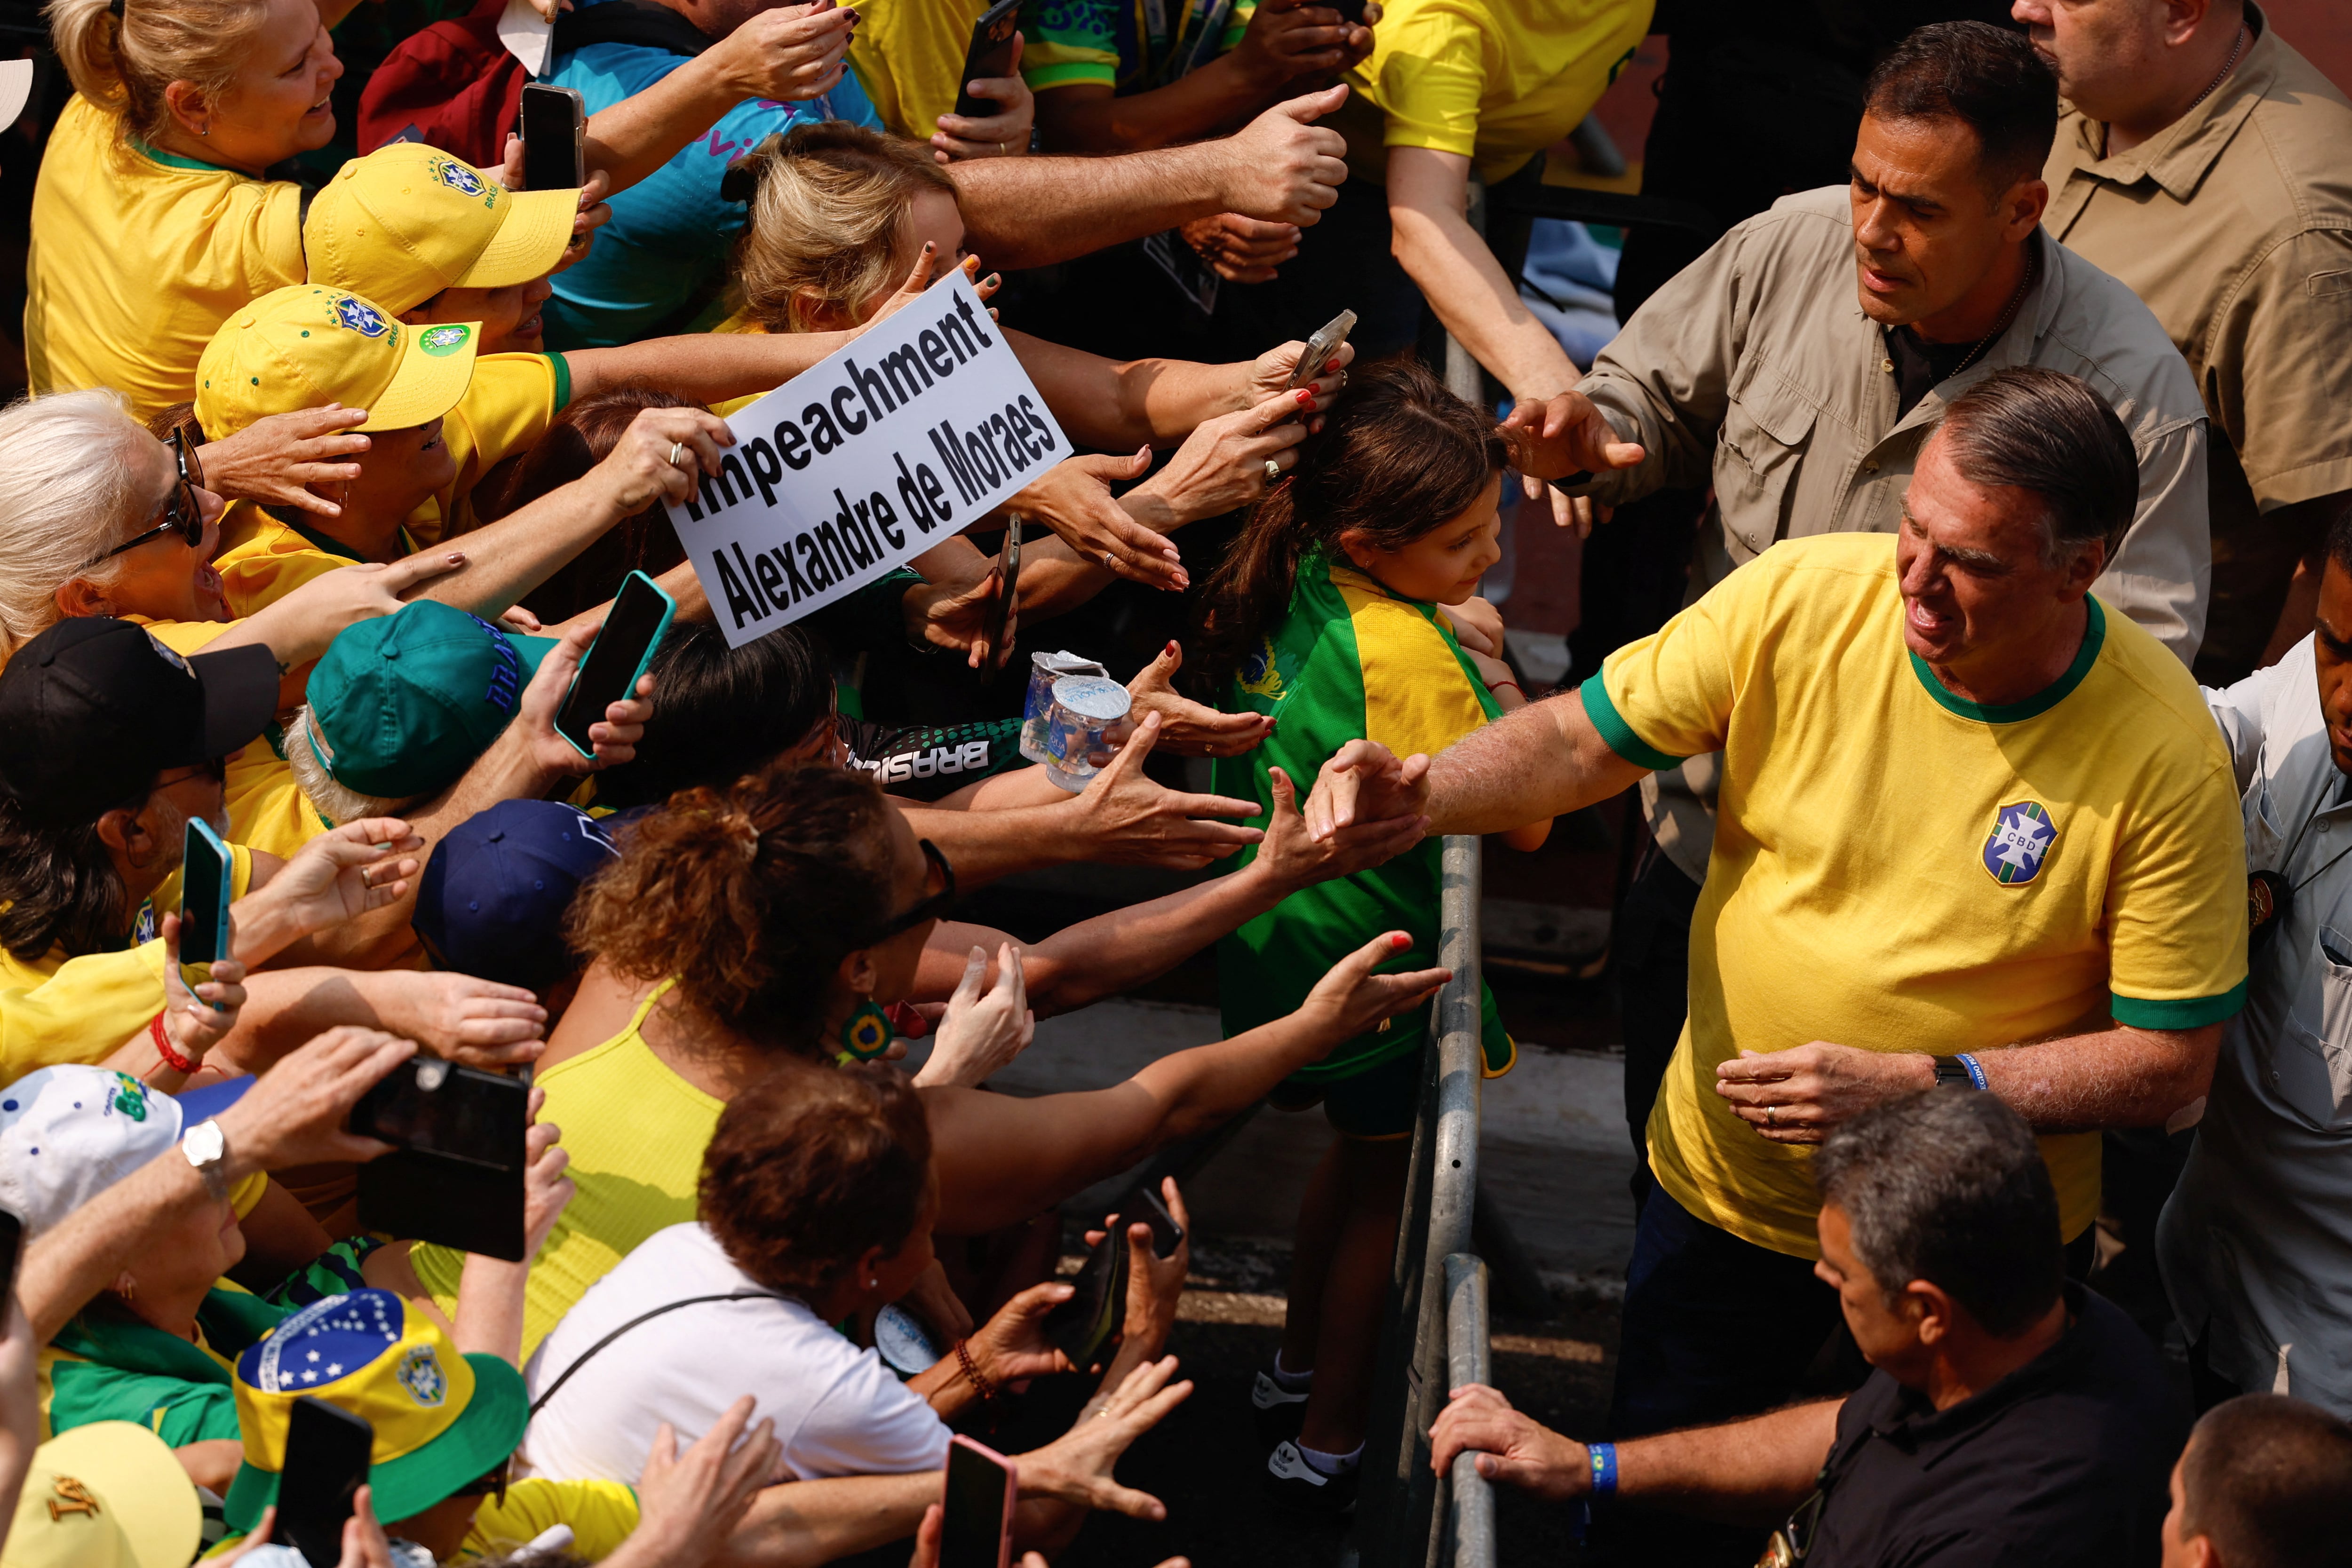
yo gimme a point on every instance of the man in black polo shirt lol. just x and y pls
(2013, 1417)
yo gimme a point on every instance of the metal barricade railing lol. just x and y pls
(1434, 1333)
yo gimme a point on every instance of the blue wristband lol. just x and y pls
(1976, 1073)
(1604, 1468)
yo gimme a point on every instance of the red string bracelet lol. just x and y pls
(171, 1059)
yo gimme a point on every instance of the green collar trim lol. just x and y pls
(192, 166)
(2094, 636)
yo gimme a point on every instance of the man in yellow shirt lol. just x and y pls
(1964, 808)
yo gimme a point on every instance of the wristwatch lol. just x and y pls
(207, 1149)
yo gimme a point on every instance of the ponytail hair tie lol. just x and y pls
(114, 9)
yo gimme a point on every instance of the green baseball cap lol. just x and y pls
(401, 706)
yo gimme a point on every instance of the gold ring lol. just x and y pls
(1384, 1026)
(1771, 1115)
(674, 449)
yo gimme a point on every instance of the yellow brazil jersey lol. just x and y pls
(1496, 81)
(635, 1132)
(908, 58)
(508, 406)
(261, 559)
(600, 1513)
(54, 1009)
(138, 257)
(1896, 869)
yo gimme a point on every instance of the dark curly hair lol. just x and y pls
(752, 896)
(811, 1167)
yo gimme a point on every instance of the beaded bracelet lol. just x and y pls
(971, 1369)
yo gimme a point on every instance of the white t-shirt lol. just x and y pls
(838, 1410)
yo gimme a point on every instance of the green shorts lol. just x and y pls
(1378, 1102)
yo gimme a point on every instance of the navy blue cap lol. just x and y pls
(493, 897)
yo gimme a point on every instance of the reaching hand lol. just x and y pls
(1288, 39)
(475, 1022)
(1074, 499)
(638, 471)
(953, 615)
(1128, 818)
(294, 1113)
(982, 1031)
(1283, 167)
(613, 737)
(298, 627)
(1076, 1466)
(1240, 250)
(1221, 468)
(198, 1020)
(1510, 1447)
(1556, 438)
(1155, 1285)
(343, 873)
(275, 460)
(1189, 729)
(789, 54)
(1294, 858)
(1013, 1345)
(1477, 626)
(1364, 782)
(689, 1504)
(545, 1188)
(1351, 999)
(1005, 133)
(1269, 373)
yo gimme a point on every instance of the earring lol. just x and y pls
(866, 1034)
(127, 1288)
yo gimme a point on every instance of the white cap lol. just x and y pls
(15, 87)
(67, 1133)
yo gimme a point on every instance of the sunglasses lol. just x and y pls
(182, 513)
(492, 1486)
(931, 907)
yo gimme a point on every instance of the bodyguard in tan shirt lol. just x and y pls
(2208, 165)
(1800, 364)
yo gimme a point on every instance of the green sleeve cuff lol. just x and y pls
(2187, 1012)
(562, 381)
(1071, 73)
(1617, 732)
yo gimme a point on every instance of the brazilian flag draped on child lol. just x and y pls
(1351, 659)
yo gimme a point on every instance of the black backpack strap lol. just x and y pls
(540, 1402)
(643, 23)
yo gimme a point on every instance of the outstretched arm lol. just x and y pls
(1752, 1471)
(1031, 212)
(1545, 760)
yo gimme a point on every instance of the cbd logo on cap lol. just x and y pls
(443, 341)
(358, 316)
(458, 178)
(420, 1372)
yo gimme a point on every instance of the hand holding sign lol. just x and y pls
(660, 457)
(923, 424)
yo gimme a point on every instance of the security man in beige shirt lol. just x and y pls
(1800, 364)
(2207, 164)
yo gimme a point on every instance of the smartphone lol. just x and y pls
(991, 55)
(455, 1174)
(1321, 347)
(976, 1513)
(1144, 1204)
(327, 1451)
(12, 1242)
(204, 901)
(616, 660)
(1002, 618)
(555, 137)
(1082, 1325)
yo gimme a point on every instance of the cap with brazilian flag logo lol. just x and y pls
(306, 345)
(402, 704)
(442, 1420)
(407, 221)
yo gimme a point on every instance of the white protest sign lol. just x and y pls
(911, 433)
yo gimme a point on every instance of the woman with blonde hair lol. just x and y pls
(152, 218)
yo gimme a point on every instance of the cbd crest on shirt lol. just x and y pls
(1899, 869)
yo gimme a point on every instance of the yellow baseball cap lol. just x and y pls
(306, 345)
(108, 1495)
(407, 221)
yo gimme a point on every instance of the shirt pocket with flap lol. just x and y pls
(1767, 426)
(2316, 1079)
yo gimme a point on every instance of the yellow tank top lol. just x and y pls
(635, 1132)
